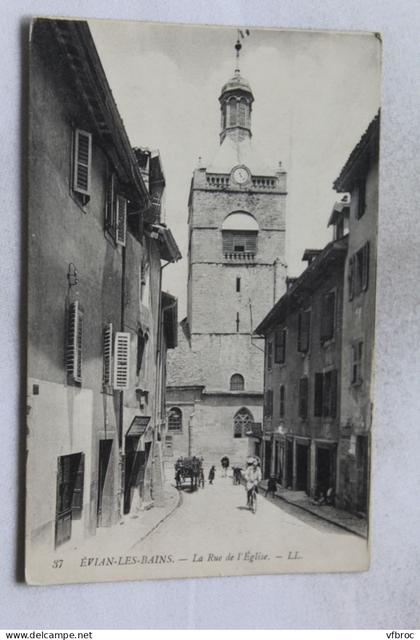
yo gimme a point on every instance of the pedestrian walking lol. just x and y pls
(271, 487)
(201, 478)
(225, 462)
(236, 475)
(212, 473)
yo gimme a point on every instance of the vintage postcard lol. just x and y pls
(202, 271)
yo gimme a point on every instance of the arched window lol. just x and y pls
(240, 232)
(232, 105)
(242, 422)
(242, 113)
(237, 382)
(175, 419)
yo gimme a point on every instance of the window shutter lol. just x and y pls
(82, 161)
(319, 384)
(107, 355)
(280, 346)
(282, 401)
(110, 205)
(306, 329)
(365, 275)
(227, 242)
(303, 397)
(328, 316)
(351, 277)
(251, 243)
(299, 344)
(303, 331)
(268, 403)
(269, 355)
(121, 360)
(141, 344)
(74, 342)
(333, 393)
(121, 220)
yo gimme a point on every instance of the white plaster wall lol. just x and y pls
(65, 415)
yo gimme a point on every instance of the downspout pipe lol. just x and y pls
(159, 329)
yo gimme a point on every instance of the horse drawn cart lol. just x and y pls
(189, 473)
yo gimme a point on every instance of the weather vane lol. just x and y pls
(238, 46)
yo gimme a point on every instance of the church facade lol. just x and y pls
(236, 270)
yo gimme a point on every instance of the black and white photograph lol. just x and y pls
(202, 251)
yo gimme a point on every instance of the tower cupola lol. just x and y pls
(236, 105)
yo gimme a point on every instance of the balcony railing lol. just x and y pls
(240, 256)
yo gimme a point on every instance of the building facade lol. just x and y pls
(96, 247)
(319, 340)
(303, 334)
(236, 269)
(360, 178)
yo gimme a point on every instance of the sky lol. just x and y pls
(315, 94)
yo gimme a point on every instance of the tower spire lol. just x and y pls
(238, 48)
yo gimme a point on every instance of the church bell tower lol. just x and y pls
(236, 270)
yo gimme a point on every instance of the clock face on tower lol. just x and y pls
(240, 175)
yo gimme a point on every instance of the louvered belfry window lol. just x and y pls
(239, 242)
(74, 342)
(121, 220)
(82, 161)
(121, 360)
(107, 355)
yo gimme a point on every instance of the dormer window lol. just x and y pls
(339, 218)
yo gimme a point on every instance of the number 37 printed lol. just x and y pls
(57, 564)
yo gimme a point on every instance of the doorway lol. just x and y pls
(135, 468)
(105, 447)
(362, 461)
(267, 459)
(289, 464)
(325, 469)
(302, 467)
(69, 499)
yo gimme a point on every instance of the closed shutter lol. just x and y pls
(141, 344)
(328, 316)
(74, 342)
(365, 274)
(227, 242)
(269, 355)
(351, 277)
(107, 355)
(334, 389)
(303, 397)
(282, 401)
(121, 220)
(82, 161)
(269, 403)
(251, 243)
(304, 321)
(121, 360)
(110, 205)
(280, 346)
(319, 383)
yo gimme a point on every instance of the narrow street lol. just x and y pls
(212, 527)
